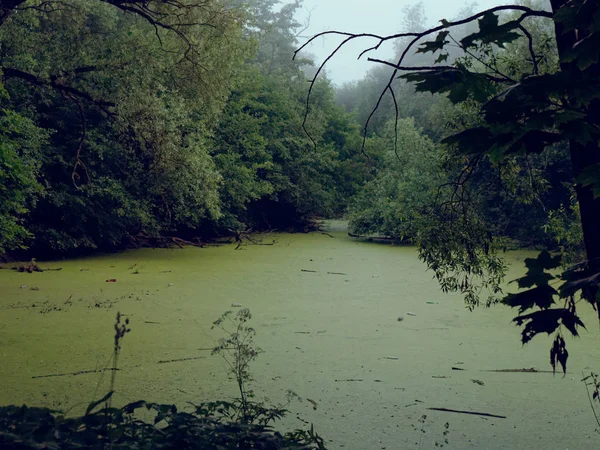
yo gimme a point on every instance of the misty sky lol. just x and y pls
(376, 16)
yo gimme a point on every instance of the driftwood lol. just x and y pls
(81, 372)
(32, 266)
(181, 359)
(524, 370)
(144, 240)
(474, 413)
(337, 273)
(306, 270)
(529, 370)
(350, 379)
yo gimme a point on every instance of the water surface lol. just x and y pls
(318, 330)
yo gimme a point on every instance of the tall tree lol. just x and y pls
(515, 116)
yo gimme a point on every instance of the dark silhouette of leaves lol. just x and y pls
(435, 45)
(544, 261)
(541, 296)
(460, 84)
(545, 321)
(583, 282)
(559, 353)
(490, 32)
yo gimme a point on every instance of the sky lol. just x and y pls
(375, 16)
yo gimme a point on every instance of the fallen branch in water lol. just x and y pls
(530, 370)
(306, 270)
(81, 372)
(180, 359)
(337, 273)
(350, 379)
(467, 412)
(379, 238)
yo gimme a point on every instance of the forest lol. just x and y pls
(141, 131)
(128, 124)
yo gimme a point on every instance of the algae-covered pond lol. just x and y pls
(329, 332)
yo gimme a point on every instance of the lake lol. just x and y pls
(326, 311)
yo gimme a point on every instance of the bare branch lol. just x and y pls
(78, 162)
(531, 51)
(416, 37)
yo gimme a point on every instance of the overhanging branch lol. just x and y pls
(416, 37)
(57, 84)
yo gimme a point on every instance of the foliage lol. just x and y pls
(396, 202)
(20, 142)
(564, 225)
(238, 350)
(179, 118)
(206, 427)
(579, 281)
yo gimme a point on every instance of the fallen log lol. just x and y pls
(474, 413)
(529, 370)
(81, 372)
(379, 238)
(180, 359)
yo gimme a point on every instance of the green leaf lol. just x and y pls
(571, 321)
(471, 140)
(541, 296)
(441, 58)
(490, 32)
(544, 261)
(460, 84)
(545, 321)
(534, 279)
(590, 176)
(435, 45)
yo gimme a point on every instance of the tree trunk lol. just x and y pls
(582, 155)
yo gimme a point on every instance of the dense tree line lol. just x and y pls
(123, 121)
(126, 121)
